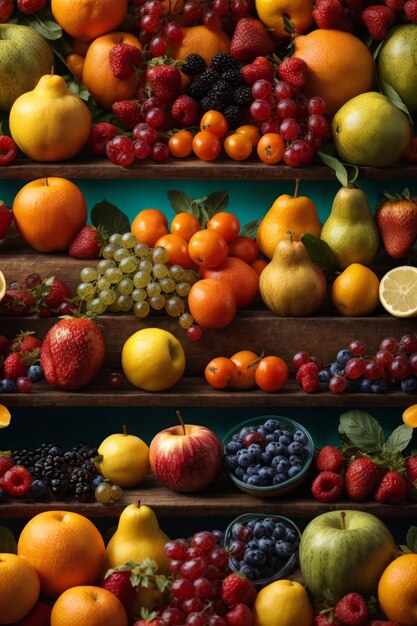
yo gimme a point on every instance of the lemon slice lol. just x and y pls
(410, 416)
(398, 291)
(2, 286)
(4, 416)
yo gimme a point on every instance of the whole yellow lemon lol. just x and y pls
(153, 359)
(283, 602)
(125, 459)
(355, 291)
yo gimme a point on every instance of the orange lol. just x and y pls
(340, 66)
(87, 19)
(5, 416)
(88, 606)
(149, 225)
(19, 588)
(207, 248)
(185, 225)
(177, 249)
(49, 212)
(226, 224)
(242, 279)
(355, 291)
(246, 362)
(75, 63)
(202, 40)
(65, 548)
(272, 13)
(97, 77)
(212, 303)
(250, 131)
(397, 590)
(410, 416)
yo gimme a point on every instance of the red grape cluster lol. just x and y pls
(24, 6)
(122, 150)
(394, 364)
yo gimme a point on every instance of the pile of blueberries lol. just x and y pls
(266, 455)
(262, 546)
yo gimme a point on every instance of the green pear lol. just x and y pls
(350, 230)
(397, 61)
(370, 131)
(137, 537)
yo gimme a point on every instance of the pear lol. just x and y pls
(350, 230)
(397, 63)
(291, 284)
(137, 537)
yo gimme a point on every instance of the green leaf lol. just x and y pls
(216, 202)
(320, 253)
(76, 87)
(362, 430)
(203, 216)
(250, 229)
(7, 541)
(43, 22)
(162, 582)
(288, 24)
(345, 172)
(112, 219)
(394, 98)
(180, 201)
(377, 49)
(411, 538)
(399, 439)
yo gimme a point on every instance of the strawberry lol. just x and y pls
(14, 366)
(119, 582)
(327, 486)
(25, 342)
(99, 135)
(250, 39)
(397, 223)
(392, 489)
(123, 59)
(361, 478)
(294, 72)
(6, 463)
(17, 481)
(327, 13)
(410, 10)
(236, 589)
(184, 110)
(87, 243)
(6, 217)
(352, 609)
(72, 353)
(324, 620)
(156, 621)
(128, 112)
(164, 81)
(411, 469)
(331, 459)
(240, 615)
(260, 68)
(18, 302)
(40, 615)
(51, 293)
(378, 19)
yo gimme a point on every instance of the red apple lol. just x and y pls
(186, 457)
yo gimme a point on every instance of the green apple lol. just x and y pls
(25, 56)
(397, 63)
(369, 130)
(344, 551)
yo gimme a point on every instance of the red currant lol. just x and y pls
(384, 358)
(260, 110)
(154, 7)
(318, 125)
(24, 384)
(159, 151)
(174, 32)
(172, 616)
(373, 371)
(354, 368)
(357, 347)
(390, 344)
(176, 549)
(289, 129)
(115, 380)
(120, 150)
(192, 605)
(400, 368)
(212, 20)
(221, 7)
(194, 568)
(194, 333)
(155, 117)
(409, 343)
(141, 149)
(300, 358)
(287, 108)
(204, 540)
(182, 588)
(240, 7)
(158, 46)
(193, 11)
(337, 384)
(283, 90)
(316, 106)
(270, 126)
(261, 89)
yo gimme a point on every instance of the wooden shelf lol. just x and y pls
(191, 168)
(222, 499)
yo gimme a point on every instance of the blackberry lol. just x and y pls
(208, 78)
(196, 91)
(211, 104)
(194, 64)
(242, 95)
(234, 116)
(233, 77)
(58, 484)
(222, 62)
(221, 90)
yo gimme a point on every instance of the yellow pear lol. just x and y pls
(137, 537)
(50, 123)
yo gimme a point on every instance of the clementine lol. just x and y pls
(88, 606)
(340, 66)
(212, 303)
(19, 588)
(65, 548)
(149, 225)
(202, 40)
(185, 224)
(177, 249)
(397, 590)
(97, 76)
(242, 279)
(49, 212)
(207, 248)
(87, 19)
(246, 362)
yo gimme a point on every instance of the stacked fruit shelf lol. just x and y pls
(259, 328)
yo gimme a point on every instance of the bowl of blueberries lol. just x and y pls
(263, 547)
(268, 456)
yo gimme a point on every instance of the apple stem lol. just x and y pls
(343, 514)
(291, 234)
(125, 429)
(181, 420)
(297, 184)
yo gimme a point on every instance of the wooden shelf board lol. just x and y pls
(190, 168)
(221, 500)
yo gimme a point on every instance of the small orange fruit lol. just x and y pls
(397, 590)
(410, 416)
(180, 144)
(202, 40)
(206, 145)
(250, 131)
(75, 63)
(177, 249)
(238, 146)
(215, 122)
(246, 362)
(226, 224)
(355, 291)
(207, 248)
(221, 372)
(88, 606)
(87, 19)
(19, 588)
(211, 303)
(149, 225)
(270, 148)
(185, 225)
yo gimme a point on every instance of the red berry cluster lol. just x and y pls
(47, 297)
(15, 480)
(18, 362)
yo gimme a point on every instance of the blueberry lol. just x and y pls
(379, 385)
(266, 458)
(324, 376)
(256, 558)
(295, 447)
(294, 470)
(230, 461)
(244, 458)
(7, 386)
(271, 425)
(38, 490)
(233, 446)
(285, 440)
(236, 531)
(279, 478)
(343, 356)
(282, 450)
(252, 544)
(284, 548)
(55, 451)
(279, 532)
(409, 384)
(245, 477)
(253, 470)
(300, 436)
(272, 448)
(280, 465)
(296, 459)
(96, 481)
(262, 430)
(256, 451)
(291, 535)
(35, 373)
(272, 437)
(336, 369)
(266, 474)
(259, 529)
(248, 571)
(365, 385)
(251, 523)
(267, 545)
(239, 472)
(255, 481)
(269, 524)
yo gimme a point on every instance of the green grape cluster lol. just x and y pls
(132, 275)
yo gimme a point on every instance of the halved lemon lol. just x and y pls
(2, 286)
(398, 291)
(410, 416)
(4, 416)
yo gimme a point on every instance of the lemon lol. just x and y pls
(410, 416)
(355, 291)
(283, 603)
(4, 416)
(398, 291)
(125, 459)
(2, 286)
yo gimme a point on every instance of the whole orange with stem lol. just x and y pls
(246, 361)
(19, 588)
(211, 303)
(86, 605)
(149, 225)
(87, 19)
(177, 249)
(207, 248)
(221, 373)
(244, 248)
(202, 40)
(270, 148)
(65, 548)
(206, 145)
(271, 373)
(97, 76)
(215, 122)
(49, 212)
(224, 223)
(185, 225)
(239, 276)
(397, 590)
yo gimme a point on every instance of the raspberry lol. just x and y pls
(294, 72)
(309, 384)
(194, 64)
(17, 481)
(128, 112)
(99, 135)
(410, 10)
(327, 486)
(324, 620)
(123, 58)
(6, 463)
(8, 150)
(184, 110)
(240, 615)
(327, 13)
(307, 369)
(352, 609)
(378, 19)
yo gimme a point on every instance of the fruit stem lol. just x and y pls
(181, 420)
(297, 185)
(343, 514)
(291, 234)
(125, 429)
